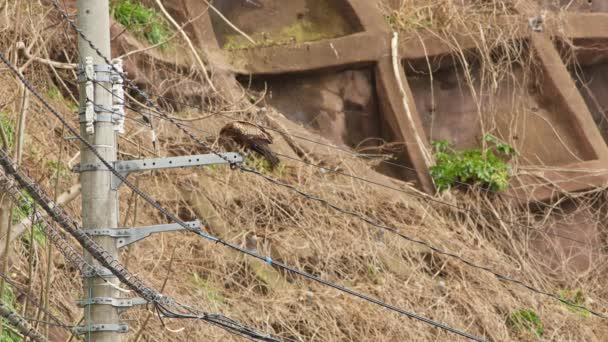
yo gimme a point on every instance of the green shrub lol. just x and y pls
(474, 166)
(141, 20)
(576, 297)
(522, 320)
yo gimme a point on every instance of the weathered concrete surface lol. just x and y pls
(592, 81)
(341, 106)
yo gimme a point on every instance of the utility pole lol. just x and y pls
(101, 117)
(99, 199)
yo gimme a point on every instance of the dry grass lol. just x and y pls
(314, 238)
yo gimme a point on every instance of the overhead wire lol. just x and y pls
(20, 324)
(335, 147)
(101, 255)
(390, 229)
(329, 204)
(184, 225)
(163, 116)
(357, 215)
(15, 286)
(175, 219)
(409, 193)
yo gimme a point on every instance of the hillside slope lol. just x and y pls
(247, 210)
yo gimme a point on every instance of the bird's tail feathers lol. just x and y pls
(268, 155)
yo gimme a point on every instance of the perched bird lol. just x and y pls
(250, 137)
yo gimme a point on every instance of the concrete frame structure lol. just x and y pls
(376, 37)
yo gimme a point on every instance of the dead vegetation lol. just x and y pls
(247, 210)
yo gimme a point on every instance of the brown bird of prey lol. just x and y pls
(250, 137)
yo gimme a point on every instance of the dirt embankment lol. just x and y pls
(247, 210)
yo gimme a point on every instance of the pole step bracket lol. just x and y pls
(126, 167)
(125, 237)
(93, 328)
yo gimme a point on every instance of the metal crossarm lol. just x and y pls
(126, 167)
(130, 235)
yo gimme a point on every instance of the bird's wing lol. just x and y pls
(252, 130)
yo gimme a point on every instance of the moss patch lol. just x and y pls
(322, 21)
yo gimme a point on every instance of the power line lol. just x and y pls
(323, 201)
(311, 197)
(338, 148)
(163, 116)
(340, 288)
(387, 228)
(56, 320)
(20, 324)
(409, 193)
(92, 247)
(178, 221)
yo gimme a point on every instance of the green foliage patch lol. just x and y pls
(486, 167)
(8, 299)
(262, 165)
(9, 128)
(526, 320)
(576, 297)
(23, 210)
(141, 20)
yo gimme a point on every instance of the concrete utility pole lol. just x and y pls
(99, 200)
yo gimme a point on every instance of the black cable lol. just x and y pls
(340, 288)
(101, 255)
(387, 228)
(147, 101)
(320, 200)
(20, 323)
(342, 149)
(15, 286)
(163, 116)
(175, 219)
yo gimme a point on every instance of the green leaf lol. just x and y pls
(481, 167)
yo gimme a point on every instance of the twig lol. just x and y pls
(20, 134)
(59, 65)
(229, 23)
(147, 48)
(18, 229)
(163, 42)
(189, 42)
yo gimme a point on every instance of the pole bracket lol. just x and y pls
(122, 304)
(125, 237)
(126, 167)
(92, 328)
(97, 271)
